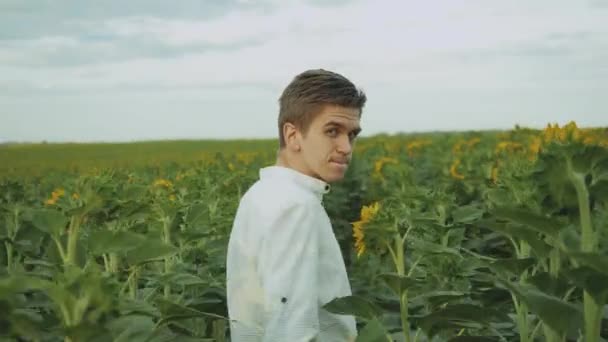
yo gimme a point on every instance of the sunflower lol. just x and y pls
(367, 214)
(55, 195)
(454, 170)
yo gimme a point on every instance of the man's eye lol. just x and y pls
(332, 131)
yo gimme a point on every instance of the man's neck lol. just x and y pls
(285, 159)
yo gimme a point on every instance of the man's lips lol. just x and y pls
(339, 161)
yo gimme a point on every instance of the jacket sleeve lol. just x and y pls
(288, 266)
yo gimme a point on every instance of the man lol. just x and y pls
(283, 261)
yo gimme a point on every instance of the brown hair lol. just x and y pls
(309, 91)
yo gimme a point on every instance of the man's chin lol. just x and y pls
(334, 177)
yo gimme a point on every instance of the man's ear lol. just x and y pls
(291, 136)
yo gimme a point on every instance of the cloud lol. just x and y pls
(73, 33)
(416, 42)
(565, 56)
(418, 46)
(599, 4)
(92, 48)
(477, 56)
(85, 35)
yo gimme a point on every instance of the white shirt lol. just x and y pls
(284, 263)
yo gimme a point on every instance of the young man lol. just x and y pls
(283, 259)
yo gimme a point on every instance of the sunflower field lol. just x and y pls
(470, 236)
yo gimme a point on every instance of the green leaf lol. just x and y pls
(559, 315)
(436, 298)
(129, 306)
(167, 335)
(150, 250)
(131, 328)
(599, 189)
(539, 223)
(49, 221)
(548, 284)
(88, 331)
(458, 316)
(512, 266)
(134, 192)
(456, 237)
(353, 305)
(554, 181)
(107, 241)
(397, 283)
(7, 223)
(473, 339)
(591, 157)
(461, 313)
(432, 248)
(591, 281)
(61, 296)
(467, 214)
(27, 324)
(92, 203)
(539, 247)
(175, 312)
(40, 263)
(372, 332)
(602, 175)
(597, 261)
(188, 236)
(18, 283)
(499, 197)
(570, 239)
(181, 279)
(197, 215)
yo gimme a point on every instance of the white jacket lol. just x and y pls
(284, 263)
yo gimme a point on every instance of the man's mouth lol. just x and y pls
(339, 161)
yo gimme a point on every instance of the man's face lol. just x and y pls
(326, 148)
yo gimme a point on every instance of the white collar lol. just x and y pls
(317, 186)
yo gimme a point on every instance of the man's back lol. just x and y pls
(284, 263)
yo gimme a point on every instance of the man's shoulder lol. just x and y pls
(267, 196)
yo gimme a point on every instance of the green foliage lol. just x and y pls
(479, 236)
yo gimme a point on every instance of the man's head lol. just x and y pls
(319, 119)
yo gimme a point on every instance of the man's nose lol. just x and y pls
(345, 145)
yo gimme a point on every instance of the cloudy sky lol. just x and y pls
(151, 69)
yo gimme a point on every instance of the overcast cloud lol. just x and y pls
(122, 71)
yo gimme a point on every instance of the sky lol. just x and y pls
(83, 71)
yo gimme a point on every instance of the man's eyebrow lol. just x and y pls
(356, 130)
